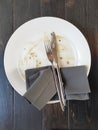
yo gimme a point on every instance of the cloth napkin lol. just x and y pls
(76, 83)
(41, 86)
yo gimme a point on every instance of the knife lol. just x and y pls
(54, 52)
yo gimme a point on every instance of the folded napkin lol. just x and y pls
(41, 87)
(76, 83)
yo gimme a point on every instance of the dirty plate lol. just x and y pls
(25, 49)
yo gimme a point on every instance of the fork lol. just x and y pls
(50, 58)
(54, 53)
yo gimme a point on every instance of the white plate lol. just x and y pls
(30, 35)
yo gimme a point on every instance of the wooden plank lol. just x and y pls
(78, 115)
(76, 13)
(54, 118)
(24, 11)
(83, 14)
(6, 91)
(54, 8)
(26, 116)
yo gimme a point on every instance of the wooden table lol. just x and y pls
(18, 114)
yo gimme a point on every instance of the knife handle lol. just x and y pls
(58, 89)
(61, 84)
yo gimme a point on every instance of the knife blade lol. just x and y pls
(54, 52)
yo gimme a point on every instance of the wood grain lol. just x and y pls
(83, 14)
(54, 8)
(25, 10)
(26, 116)
(6, 91)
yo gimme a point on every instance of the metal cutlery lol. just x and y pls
(54, 53)
(51, 59)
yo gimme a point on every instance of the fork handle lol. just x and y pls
(57, 87)
(61, 84)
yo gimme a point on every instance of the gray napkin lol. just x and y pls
(76, 82)
(41, 87)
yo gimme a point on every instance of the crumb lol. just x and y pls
(30, 57)
(32, 54)
(38, 63)
(61, 58)
(67, 62)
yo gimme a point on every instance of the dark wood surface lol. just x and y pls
(15, 112)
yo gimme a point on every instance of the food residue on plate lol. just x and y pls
(33, 55)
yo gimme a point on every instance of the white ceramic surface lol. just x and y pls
(30, 36)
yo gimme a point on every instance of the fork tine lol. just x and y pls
(48, 47)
